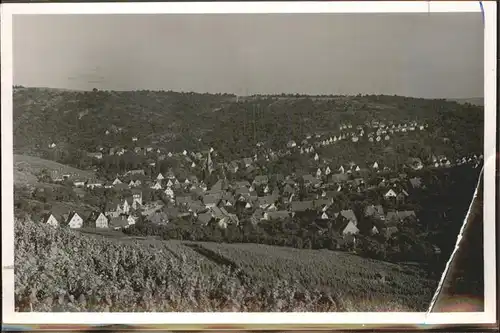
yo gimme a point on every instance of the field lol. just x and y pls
(64, 270)
(26, 169)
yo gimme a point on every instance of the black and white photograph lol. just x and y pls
(248, 162)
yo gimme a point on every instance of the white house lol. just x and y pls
(51, 220)
(350, 229)
(318, 173)
(75, 221)
(156, 186)
(390, 194)
(169, 192)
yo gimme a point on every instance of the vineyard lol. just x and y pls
(63, 270)
(339, 274)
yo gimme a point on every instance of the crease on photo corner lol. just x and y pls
(457, 245)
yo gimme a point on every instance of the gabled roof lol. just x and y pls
(349, 215)
(350, 228)
(301, 206)
(288, 189)
(205, 218)
(320, 203)
(158, 218)
(400, 215)
(195, 206)
(118, 222)
(278, 215)
(376, 211)
(261, 179)
(183, 200)
(241, 184)
(339, 177)
(211, 199)
(111, 205)
(267, 200)
(416, 182)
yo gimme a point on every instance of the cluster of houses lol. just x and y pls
(266, 198)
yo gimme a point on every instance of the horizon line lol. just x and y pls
(274, 94)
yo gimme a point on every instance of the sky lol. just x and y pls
(436, 55)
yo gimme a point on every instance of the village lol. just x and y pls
(242, 189)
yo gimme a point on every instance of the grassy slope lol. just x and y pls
(27, 167)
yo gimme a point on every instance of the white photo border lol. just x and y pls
(248, 319)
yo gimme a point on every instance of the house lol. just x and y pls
(277, 215)
(389, 231)
(211, 200)
(375, 165)
(242, 184)
(97, 155)
(160, 177)
(79, 183)
(233, 166)
(287, 189)
(310, 180)
(52, 145)
(94, 184)
(131, 219)
(247, 161)
(324, 216)
(374, 230)
(121, 187)
(126, 205)
(390, 194)
(375, 211)
(416, 182)
(339, 177)
(74, 221)
(183, 200)
(97, 220)
(350, 216)
(116, 182)
(157, 186)
(322, 204)
(257, 216)
(134, 138)
(205, 218)
(51, 220)
(415, 163)
(399, 216)
(195, 207)
(118, 223)
(169, 192)
(113, 208)
(265, 202)
(301, 206)
(260, 180)
(159, 218)
(350, 229)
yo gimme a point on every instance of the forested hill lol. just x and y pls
(233, 126)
